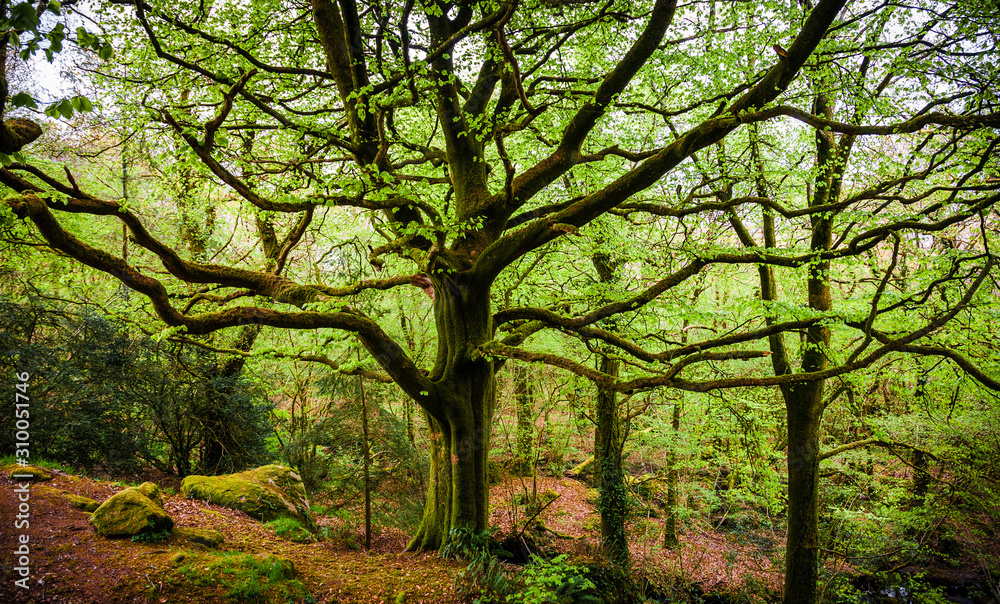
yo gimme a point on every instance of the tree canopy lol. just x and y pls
(778, 194)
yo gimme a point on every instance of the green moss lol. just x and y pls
(206, 537)
(35, 473)
(80, 502)
(290, 528)
(245, 577)
(132, 511)
(266, 493)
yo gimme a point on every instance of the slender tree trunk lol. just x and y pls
(367, 459)
(670, 522)
(609, 442)
(524, 458)
(804, 411)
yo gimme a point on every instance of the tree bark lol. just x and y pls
(458, 493)
(608, 445)
(670, 522)
(524, 458)
(609, 442)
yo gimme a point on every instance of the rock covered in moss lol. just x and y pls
(80, 502)
(29, 474)
(178, 559)
(266, 493)
(132, 511)
(206, 537)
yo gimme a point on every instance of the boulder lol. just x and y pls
(264, 493)
(132, 511)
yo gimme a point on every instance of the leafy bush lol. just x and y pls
(484, 576)
(101, 398)
(555, 582)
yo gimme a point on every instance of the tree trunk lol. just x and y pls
(367, 459)
(524, 458)
(804, 411)
(921, 478)
(458, 493)
(609, 442)
(670, 523)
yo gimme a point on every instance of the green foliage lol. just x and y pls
(290, 528)
(321, 437)
(484, 578)
(555, 582)
(101, 397)
(247, 578)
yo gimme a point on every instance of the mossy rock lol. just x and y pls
(132, 511)
(80, 502)
(178, 559)
(206, 537)
(264, 493)
(29, 474)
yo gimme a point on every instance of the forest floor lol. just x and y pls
(71, 564)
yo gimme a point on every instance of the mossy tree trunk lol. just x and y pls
(524, 457)
(458, 492)
(803, 401)
(609, 442)
(670, 522)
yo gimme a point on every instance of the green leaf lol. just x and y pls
(23, 99)
(106, 52)
(55, 7)
(63, 108)
(23, 16)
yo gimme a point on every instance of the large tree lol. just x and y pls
(481, 139)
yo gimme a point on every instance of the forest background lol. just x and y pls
(739, 254)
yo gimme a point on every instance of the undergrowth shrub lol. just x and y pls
(555, 582)
(483, 579)
(290, 528)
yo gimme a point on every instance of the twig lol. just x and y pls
(527, 522)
